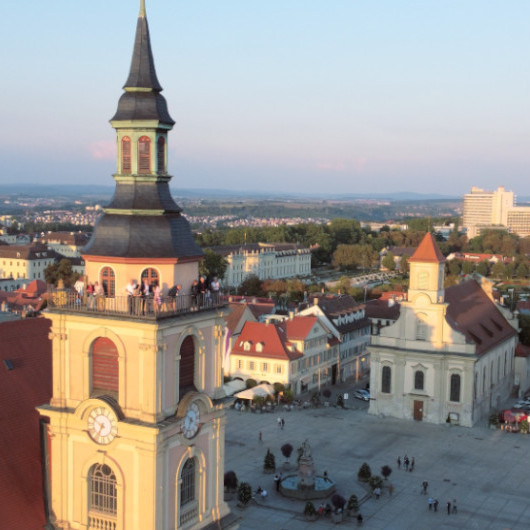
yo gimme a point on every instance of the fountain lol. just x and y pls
(306, 485)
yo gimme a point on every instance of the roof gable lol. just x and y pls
(428, 251)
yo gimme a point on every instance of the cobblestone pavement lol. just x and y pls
(486, 471)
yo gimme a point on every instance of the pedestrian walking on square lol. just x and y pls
(436, 505)
(359, 520)
(282, 423)
(260, 437)
(454, 506)
(399, 462)
(448, 507)
(406, 462)
(424, 485)
(377, 493)
(277, 482)
(413, 462)
(431, 503)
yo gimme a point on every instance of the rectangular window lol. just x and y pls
(240, 364)
(251, 365)
(265, 367)
(278, 368)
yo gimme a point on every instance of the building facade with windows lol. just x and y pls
(449, 356)
(299, 352)
(265, 260)
(25, 262)
(136, 422)
(349, 324)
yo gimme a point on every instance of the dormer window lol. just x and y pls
(144, 155)
(247, 345)
(126, 155)
(259, 347)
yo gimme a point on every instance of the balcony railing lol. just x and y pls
(146, 308)
(100, 522)
(188, 513)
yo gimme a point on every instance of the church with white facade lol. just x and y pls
(449, 357)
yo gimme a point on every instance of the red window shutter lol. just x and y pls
(105, 366)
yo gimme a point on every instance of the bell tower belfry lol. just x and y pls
(136, 419)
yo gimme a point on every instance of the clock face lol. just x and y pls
(190, 423)
(102, 425)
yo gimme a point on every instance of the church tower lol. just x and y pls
(136, 420)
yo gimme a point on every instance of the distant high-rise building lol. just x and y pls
(486, 209)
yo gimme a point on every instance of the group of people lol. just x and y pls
(451, 506)
(408, 463)
(204, 292)
(147, 296)
(95, 293)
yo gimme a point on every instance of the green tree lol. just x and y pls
(60, 271)
(524, 325)
(388, 261)
(213, 264)
(251, 286)
(345, 231)
(269, 463)
(497, 271)
(521, 271)
(404, 266)
(468, 267)
(454, 267)
(483, 268)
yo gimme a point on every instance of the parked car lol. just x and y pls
(362, 394)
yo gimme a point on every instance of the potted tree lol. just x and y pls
(310, 512)
(287, 449)
(364, 472)
(386, 471)
(244, 494)
(353, 505)
(269, 464)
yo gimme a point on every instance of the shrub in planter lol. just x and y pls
(287, 449)
(269, 464)
(353, 504)
(230, 481)
(386, 471)
(326, 393)
(244, 493)
(364, 473)
(309, 509)
(493, 419)
(340, 401)
(375, 481)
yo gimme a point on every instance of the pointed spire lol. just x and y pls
(428, 251)
(142, 73)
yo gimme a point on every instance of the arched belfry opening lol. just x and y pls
(187, 366)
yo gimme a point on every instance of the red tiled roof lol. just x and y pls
(272, 338)
(26, 345)
(298, 328)
(472, 313)
(428, 251)
(233, 318)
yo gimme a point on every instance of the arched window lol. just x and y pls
(144, 155)
(108, 281)
(454, 394)
(150, 275)
(105, 367)
(161, 155)
(103, 492)
(386, 375)
(418, 380)
(126, 155)
(187, 484)
(187, 366)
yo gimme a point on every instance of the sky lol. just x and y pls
(290, 96)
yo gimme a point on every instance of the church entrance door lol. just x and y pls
(418, 410)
